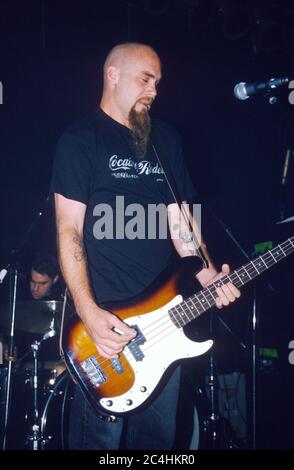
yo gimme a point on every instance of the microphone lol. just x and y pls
(243, 90)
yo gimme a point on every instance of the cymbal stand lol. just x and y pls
(35, 439)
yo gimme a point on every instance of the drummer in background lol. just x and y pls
(46, 284)
(42, 284)
(44, 277)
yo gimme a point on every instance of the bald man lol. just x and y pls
(106, 168)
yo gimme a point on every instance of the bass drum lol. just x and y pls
(55, 417)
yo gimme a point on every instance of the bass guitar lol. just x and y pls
(121, 385)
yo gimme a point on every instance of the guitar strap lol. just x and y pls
(173, 189)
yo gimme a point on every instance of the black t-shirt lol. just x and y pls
(95, 164)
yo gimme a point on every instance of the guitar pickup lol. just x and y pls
(117, 365)
(94, 371)
(134, 345)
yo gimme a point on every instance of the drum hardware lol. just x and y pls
(54, 419)
(17, 255)
(29, 412)
(41, 377)
(217, 431)
(32, 316)
(34, 439)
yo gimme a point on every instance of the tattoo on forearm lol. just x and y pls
(186, 237)
(79, 252)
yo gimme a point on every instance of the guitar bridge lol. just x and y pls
(94, 372)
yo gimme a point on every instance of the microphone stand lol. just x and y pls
(253, 322)
(10, 358)
(13, 268)
(212, 424)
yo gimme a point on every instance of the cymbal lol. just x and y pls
(33, 316)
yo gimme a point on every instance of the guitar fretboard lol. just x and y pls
(194, 306)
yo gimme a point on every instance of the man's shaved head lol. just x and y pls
(122, 53)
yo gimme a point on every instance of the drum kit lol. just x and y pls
(40, 387)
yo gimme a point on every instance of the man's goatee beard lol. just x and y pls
(140, 127)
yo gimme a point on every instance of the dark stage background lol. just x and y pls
(51, 57)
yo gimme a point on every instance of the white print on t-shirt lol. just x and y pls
(125, 167)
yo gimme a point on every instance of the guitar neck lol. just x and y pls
(197, 304)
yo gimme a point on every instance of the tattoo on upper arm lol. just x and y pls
(79, 252)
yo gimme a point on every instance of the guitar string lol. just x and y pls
(166, 319)
(213, 294)
(250, 271)
(209, 288)
(254, 270)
